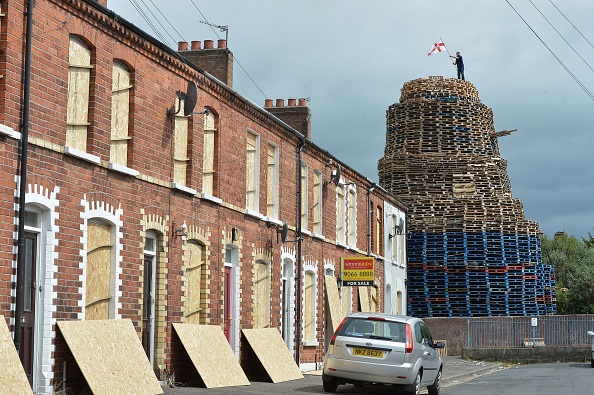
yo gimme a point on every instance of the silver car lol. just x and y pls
(383, 349)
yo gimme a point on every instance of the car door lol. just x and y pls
(430, 355)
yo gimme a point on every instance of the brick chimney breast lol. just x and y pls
(217, 62)
(296, 116)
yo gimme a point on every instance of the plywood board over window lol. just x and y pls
(261, 299)
(99, 249)
(273, 354)
(79, 77)
(13, 379)
(364, 299)
(120, 114)
(211, 355)
(110, 357)
(195, 283)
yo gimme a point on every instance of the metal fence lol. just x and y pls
(518, 331)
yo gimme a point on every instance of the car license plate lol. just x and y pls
(364, 352)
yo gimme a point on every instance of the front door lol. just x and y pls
(27, 307)
(148, 301)
(227, 303)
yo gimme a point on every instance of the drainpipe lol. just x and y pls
(23, 177)
(369, 218)
(299, 240)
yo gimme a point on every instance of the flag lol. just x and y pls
(437, 47)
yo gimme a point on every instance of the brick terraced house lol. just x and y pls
(154, 192)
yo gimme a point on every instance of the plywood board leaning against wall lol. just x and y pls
(13, 379)
(273, 354)
(211, 355)
(110, 356)
(333, 301)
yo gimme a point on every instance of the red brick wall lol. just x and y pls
(156, 77)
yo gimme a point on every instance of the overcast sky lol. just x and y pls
(351, 58)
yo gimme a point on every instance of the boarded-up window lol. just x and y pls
(379, 230)
(309, 307)
(195, 283)
(340, 215)
(180, 147)
(208, 163)
(304, 196)
(375, 296)
(120, 114)
(99, 256)
(251, 176)
(352, 218)
(79, 77)
(317, 203)
(261, 295)
(272, 182)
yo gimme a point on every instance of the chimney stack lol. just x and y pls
(296, 113)
(215, 61)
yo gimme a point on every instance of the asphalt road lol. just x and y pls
(540, 379)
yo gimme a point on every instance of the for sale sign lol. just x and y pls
(358, 270)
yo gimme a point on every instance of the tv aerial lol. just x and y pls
(190, 98)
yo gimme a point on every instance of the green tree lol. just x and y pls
(573, 260)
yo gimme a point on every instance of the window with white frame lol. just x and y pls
(352, 213)
(317, 203)
(340, 215)
(272, 182)
(120, 114)
(79, 79)
(379, 230)
(252, 176)
(309, 324)
(304, 196)
(393, 238)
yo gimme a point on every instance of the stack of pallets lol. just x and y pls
(471, 251)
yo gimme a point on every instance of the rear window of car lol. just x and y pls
(372, 329)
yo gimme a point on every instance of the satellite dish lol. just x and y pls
(284, 231)
(191, 98)
(335, 178)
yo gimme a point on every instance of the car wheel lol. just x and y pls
(436, 386)
(415, 387)
(330, 384)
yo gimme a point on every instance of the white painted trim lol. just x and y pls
(82, 155)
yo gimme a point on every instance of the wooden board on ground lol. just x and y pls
(364, 299)
(211, 355)
(333, 301)
(272, 352)
(110, 356)
(13, 379)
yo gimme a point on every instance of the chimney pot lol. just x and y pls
(208, 44)
(196, 44)
(222, 44)
(182, 46)
(292, 102)
(280, 102)
(268, 103)
(302, 102)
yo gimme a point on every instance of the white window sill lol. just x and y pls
(310, 344)
(319, 236)
(183, 188)
(10, 132)
(254, 214)
(123, 169)
(211, 198)
(82, 155)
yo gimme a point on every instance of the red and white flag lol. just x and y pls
(437, 47)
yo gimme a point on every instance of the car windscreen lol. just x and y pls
(374, 329)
